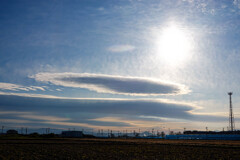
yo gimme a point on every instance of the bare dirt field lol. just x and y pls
(119, 149)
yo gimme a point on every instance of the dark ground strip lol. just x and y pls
(115, 149)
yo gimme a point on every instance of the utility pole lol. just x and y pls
(47, 130)
(2, 129)
(231, 117)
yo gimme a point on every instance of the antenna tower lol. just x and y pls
(231, 117)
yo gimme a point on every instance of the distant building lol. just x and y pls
(12, 131)
(210, 132)
(207, 135)
(75, 134)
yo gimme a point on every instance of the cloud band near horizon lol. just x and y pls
(84, 112)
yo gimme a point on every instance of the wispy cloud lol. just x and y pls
(189, 1)
(237, 3)
(32, 116)
(16, 87)
(131, 122)
(41, 117)
(13, 112)
(136, 86)
(29, 95)
(14, 121)
(121, 48)
(101, 9)
(77, 124)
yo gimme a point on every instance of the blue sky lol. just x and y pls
(123, 64)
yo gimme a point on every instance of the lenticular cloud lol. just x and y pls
(135, 86)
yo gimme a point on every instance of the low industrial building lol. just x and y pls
(72, 134)
(12, 131)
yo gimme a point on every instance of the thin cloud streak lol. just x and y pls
(75, 124)
(13, 112)
(121, 48)
(32, 116)
(36, 118)
(134, 86)
(14, 121)
(46, 118)
(136, 123)
(16, 87)
(237, 3)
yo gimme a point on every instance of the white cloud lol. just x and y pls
(237, 3)
(189, 1)
(16, 87)
(101, 9)
(39, 88)
(136, 86)
(121, 48)
(10, 86)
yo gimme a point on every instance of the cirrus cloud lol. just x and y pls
(16, 87)
(135, 86)
(120, 48)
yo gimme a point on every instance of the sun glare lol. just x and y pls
(173, 46)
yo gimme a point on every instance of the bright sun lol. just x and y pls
(173, 46)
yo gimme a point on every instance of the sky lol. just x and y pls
(119, 64)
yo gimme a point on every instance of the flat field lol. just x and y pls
(119, 149)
